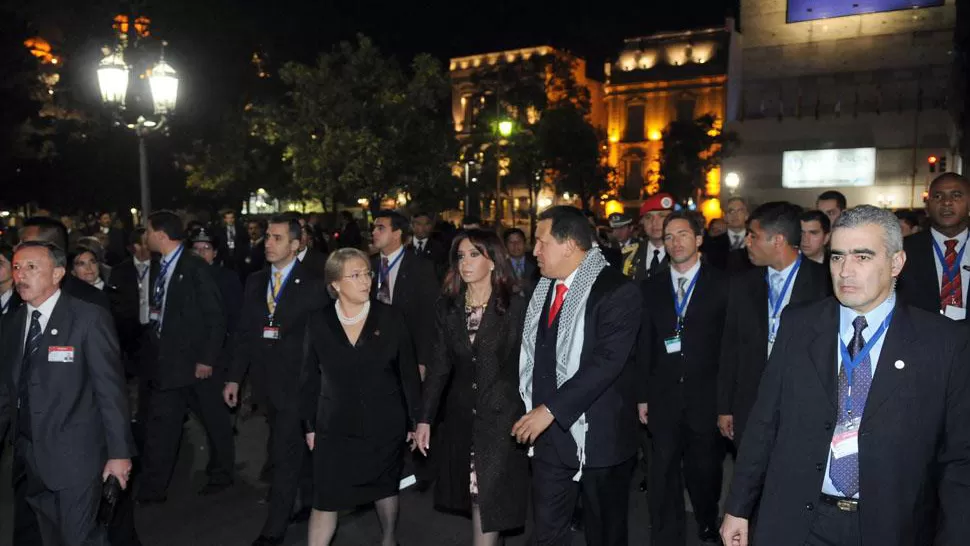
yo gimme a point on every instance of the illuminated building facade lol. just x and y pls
(660, 78)
(848, 96)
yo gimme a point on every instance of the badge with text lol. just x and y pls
(953, 312)
(672, 344)
(271, 330)
(845, 441)
(154, 314)
(60, 354)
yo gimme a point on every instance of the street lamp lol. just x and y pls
(113, 80)
(505, 131)
(505, 128)
(732, 181)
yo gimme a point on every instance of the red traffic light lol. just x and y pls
(933, 159)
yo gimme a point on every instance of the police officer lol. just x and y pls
(622, 227)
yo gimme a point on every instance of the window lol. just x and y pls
(634, 176)
(685, 109)
(634, 122)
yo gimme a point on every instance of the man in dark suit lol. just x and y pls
(424, 245)
(185, 337)
(937, 272)
(816, 228)
(859, 434)
(63, 393)
(255, 253)
(6, 279)
(726, 251)
(269, 345)
(651, 256)
(133, 279)
(679, 346)
(114, 249)
(232, 237)
(48, 230)
(578, 384)
(524, 266)
(404, 280)
(205, 246)
(313, 260)
(756, 300)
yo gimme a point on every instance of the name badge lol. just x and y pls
(672, 344)
(954, 313)
(271, 332)
(60, 354)
(845, 441)
(154, 314)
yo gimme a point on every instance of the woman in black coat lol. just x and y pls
(481, 469)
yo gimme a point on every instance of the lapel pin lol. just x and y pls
(180, 276)
(900, 364)
(54, 332)
(297, 281)
(377, 333)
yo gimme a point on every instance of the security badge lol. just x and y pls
(845, 441)
(60, 354)
(672, 344)
(271, 330)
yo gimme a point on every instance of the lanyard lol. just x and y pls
(775, 302)
(141, 276)
(850, 364)
(160, 282)
(681, 306)
(390, 266)
(949, 274)
(276, 299)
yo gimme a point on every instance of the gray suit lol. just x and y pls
(78, 416)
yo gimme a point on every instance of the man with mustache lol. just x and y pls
(936, 276)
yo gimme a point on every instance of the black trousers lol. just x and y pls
(683, 451)
(292, 474)
(67, 517)
(645, 437)
(833, 527)
(164, 431)
(605, 495)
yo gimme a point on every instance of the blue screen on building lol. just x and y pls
(811, 10)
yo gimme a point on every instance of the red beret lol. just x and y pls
(657, 201)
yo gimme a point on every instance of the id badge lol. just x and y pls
(271, 330)
(60, 354)
(154, 314)
(845, 441)
(672, 344)
(954, 313)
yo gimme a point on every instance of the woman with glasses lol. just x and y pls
(481, 468)
(360, 399)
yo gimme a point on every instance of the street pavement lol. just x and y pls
(234, 517)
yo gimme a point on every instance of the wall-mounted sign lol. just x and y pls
(813, 10)
(829, 168)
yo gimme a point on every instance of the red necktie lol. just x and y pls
(952, 291)
(557, 303)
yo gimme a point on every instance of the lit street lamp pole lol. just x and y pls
(113, 80)
(504, 131)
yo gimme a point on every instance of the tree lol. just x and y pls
(357, 125)
(691, 149)
(570, 151)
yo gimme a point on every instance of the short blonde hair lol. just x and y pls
(334, 270)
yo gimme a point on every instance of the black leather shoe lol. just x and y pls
(709, 535)
(267, 541)
(643, 485)
(213, 488)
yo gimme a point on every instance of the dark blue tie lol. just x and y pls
(34, 333)
(844, 472)
(159, 297)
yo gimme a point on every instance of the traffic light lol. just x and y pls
(942, 164)
(933, 160)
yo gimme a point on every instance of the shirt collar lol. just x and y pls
(419, 240)
(874, 318)
(167, 258)
(47, 307)
(139, 264)
(569, 280)
(941, 239)
(689, 274)
(302, 254)
(742, 233)
(286, 270)
(393, 255)
(786, 271)
(99, 284)
(651, 248)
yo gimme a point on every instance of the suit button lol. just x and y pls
(474, 359)
(474, 386)
(681, 380)
(474, 411)
(828, 425)
(820, 467)
(810, 507)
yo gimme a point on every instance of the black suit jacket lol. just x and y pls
(234, 258)
(525, 284)
(918, 284)
(124, 277)
(416, 290)
(914, 443)
(717, 251)
(79, 410)
(744, 347)
(254, 257)
(603, 387)
(688, 379)
(315, 263)
(193, 325)
(274, 365)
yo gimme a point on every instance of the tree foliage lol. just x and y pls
(691, 149)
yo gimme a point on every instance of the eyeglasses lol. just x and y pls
(361, 276)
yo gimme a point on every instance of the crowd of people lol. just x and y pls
(820, 348)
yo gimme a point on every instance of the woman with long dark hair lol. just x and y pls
(481, 469)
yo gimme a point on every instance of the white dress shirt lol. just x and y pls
(392, 274)
(772, 295)
(737, 238)
(302, 254)
(284, 275)
(99, 284)
(142, 273)
(45, 309)
(420, 244)
(650, 251)
(172, 258)
(5, 300)
(688, 276)
(964, 274)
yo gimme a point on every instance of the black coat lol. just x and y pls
(525, 284)
(687, 379)
(124, 279)
(914, 443)
(315, 263)
(478, 384)
(274, 365)
(744, 347)
(79, 410)
(918, 284)
(193, 326)
(234, 258)
(717, 251)
(254, 258)
(415, 292)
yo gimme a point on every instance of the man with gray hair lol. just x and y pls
(864, 400)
